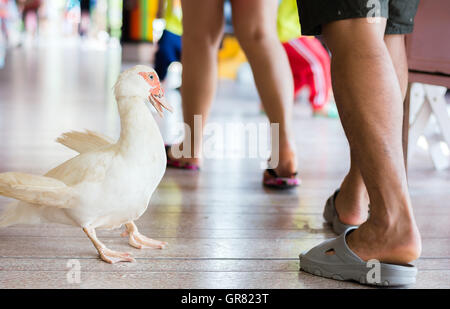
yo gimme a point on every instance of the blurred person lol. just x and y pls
(30, 9)
(3, 31)
(73, 16)
(255, 26)
(4, 4)
(169, 45)
(85, 19)
(309, 60)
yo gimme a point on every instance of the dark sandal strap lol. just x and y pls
(182, 166)
(167, 147)
(274, 174)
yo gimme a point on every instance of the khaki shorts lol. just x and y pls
(315, 13)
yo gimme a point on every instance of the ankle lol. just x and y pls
(352, 204)
(353, 184)
(400, 244)
(287, 164)
(178, 152)
(389, 210)
(401, 239)
(351, 212)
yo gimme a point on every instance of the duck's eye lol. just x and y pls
(151, 76)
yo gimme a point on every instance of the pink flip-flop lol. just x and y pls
(272, 180)
(177, 164)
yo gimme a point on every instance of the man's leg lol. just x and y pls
(369, 99)
(352, 200)
(395, 44)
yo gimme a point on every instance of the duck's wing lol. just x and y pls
(90, 166)
(84, 141)
(38, 190)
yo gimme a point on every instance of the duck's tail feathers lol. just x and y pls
(36, 190)
(19, 213)
(84, 141)
(8, 217)
(11, 215)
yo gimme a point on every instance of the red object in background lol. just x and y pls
(310, 65)
(3, 8)
(32, 5)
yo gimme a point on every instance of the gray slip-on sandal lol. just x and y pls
(330, 215)
(344, 264)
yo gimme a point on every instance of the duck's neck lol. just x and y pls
(139, 131)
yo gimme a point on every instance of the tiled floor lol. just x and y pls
(225, 230)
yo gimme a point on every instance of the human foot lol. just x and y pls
(284, 175)
(273, 180)
(182, 162)
(352, 202)
(397, 242)
(331, 216)
(287, 161)
(335, 260)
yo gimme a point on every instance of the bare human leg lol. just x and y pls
(254, 23)
(371, 114)
(352, 200)
(202, 31)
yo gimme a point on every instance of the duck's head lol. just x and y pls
(142, 81)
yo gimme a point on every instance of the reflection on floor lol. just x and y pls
(224, 229)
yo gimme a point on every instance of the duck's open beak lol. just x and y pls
(158, 100)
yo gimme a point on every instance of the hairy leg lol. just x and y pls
(369, 99)
(255, 27)
(352, 201)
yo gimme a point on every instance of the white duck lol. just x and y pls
(108, 184)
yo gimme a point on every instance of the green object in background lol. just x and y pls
(328, 111)
(115, 17)
(173, 16)
(144, 20)
(288, 24)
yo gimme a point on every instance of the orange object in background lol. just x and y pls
(141, 20)
(231, 57)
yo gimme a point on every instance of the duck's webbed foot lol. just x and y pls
(107, 255)
(140, 241)
(111, 257)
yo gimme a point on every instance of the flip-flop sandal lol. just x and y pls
(330, 215)
(344, 264)
(177, 164)
(272, 180)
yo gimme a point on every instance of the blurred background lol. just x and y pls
(41, 41)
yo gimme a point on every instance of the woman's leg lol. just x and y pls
(202, 31)
(254, 23)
